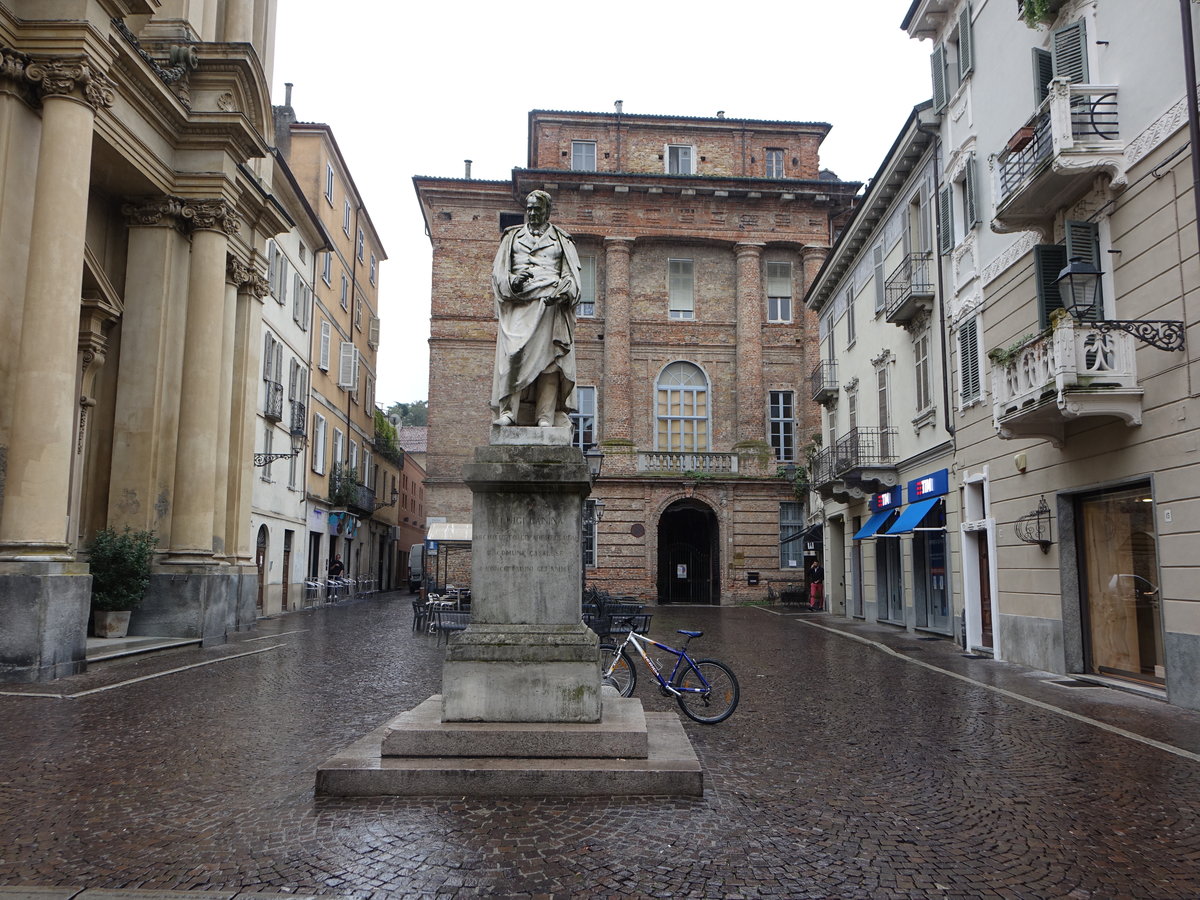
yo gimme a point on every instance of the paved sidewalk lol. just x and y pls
(862, 762)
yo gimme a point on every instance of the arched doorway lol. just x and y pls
(688, 554)
(260, 560)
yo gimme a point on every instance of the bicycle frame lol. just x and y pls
(667, 684)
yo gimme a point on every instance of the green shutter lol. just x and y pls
(1069, 48)
(1048, 261)
(1083, 241)
(945, 219)
(966, 53)
(937, 62)
(1043, 71)
(971, 194)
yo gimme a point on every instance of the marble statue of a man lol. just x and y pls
(535, 279)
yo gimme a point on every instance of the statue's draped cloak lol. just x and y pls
(535, 333)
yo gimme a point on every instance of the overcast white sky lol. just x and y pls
(415, 88)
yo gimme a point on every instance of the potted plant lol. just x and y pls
(120, 565)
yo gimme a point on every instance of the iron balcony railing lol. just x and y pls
(654, 461)
(299, 418)
(822, 468)
(912, 280)
(864, 448)
(273, 405)
(824, 380)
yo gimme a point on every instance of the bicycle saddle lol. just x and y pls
(693, 634)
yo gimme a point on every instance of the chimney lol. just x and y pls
(287, 93)
(620, 104)
(467, 163)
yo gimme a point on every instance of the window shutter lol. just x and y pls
(945, 219)
(966, 52)
(373, 331)
(323, 360)
(281, 295)
(880, 296)
(968, 362)
(272, 265)
(1083, 241)
(1069, 48)
(937, 62)
(1048, 261)
(1043, 71)
(348, 366)
(971, 194)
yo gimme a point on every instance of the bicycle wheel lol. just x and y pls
(717, 703)
(623, 675)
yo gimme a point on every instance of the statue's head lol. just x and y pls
(537, 208)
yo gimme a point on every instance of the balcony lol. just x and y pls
(1073, 371)
(298, 420)
(910, 288)
(860, 463)
(273, 405)
(1054, 158)
(824, 381)
(664, 463)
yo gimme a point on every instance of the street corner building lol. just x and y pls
(697, 237)
(158, 295)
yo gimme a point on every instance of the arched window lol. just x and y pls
(682, 409)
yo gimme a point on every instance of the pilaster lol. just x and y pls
(751, 401)
(615, 400)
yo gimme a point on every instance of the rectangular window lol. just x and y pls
(354, 461)
(348, 366)
(323, 358)
(851, 328)
(584, 419)
(969, 386)
(339, 446)
(587, 289)
(680, 160)
(345, 291)
(882, 385)
(923, 385)
(680, 288)
(362, 243)
(779, 292)
(589, 534)
(791, 534)
(782, 425)
(774, 162)
(583, 156)
(880, 283)
(329, 183)
(372, 268)
(346, 217)
(318, 447)
(327, 268)
(359, 303)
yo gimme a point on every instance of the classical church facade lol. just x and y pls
(698, 238)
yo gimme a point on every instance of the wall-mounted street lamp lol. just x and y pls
(265, 459)
(395, 499)
(595, 461)
(1079, 287)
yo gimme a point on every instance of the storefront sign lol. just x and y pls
(933, 485)
(889, 499)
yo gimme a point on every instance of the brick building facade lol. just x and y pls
(698, 237)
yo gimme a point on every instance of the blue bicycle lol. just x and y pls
(706, 690)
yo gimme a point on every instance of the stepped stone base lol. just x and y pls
(480, 759)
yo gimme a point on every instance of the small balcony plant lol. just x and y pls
(120, 567)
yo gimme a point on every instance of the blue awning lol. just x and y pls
(912, 516)
(872, 525)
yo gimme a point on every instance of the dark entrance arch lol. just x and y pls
(689, 561)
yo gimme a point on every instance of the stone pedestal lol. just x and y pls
(188, 601)
(525, 657)
(45, 610)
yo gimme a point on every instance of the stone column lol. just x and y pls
(239, 21)
(96, 316)
(192, 524)
(751, 401)
(809, 414)
(615, 400)
(37, 495)
(235, 275)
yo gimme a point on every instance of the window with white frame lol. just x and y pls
(587, 287)
(880, 281)
(924, 380)
(883, 386)
(953, 60)
(339, 446)
(682, 409)
(970, 386)
(782, 421)
(327, 268)
(329, 183)
(681, 289)
(681, 159)
(323, 354)
(346, 217)
(359, 302)
(362, 245)
(791, 534)
(589, 534)
(851, 328)
(373, 265)
(345, 298)
(773, 159)
(318, 443)
(852, 408)
(268, 447)
(779, 292)
(584, 418)
(348, 366)
(583, 156)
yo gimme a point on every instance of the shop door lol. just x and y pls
(1122, 605)
(688, 561)
(889, 580)
(856, 573)
(287, 566)
(260, 560)
(929, 573)
(985, 592)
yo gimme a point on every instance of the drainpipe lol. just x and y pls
(1189, 68)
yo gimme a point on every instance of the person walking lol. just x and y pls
(816, 585)
(336, 568)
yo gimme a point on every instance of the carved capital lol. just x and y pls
(149, 211)
(258, 286)
(236, 272)
(77, 78)
(210, 215)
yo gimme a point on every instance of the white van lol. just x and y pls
(416, 559)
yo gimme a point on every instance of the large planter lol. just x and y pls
(110, 623)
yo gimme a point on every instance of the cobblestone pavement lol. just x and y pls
(895, 768)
